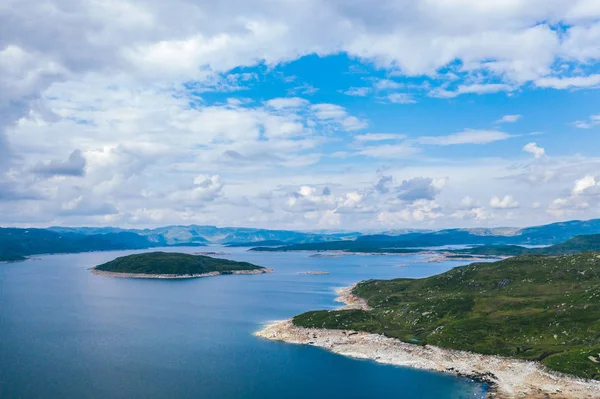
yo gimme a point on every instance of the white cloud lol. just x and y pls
(468, 136)
(584, 185)
(286, 102)
(477, 88)
(575, 82)
(403, 150)
(386, 84)
(400, 98)
(533, 148)
(379, 137)
(357, 91)
(127, 82)
(508, 202)
(510, 118)
(593, 120)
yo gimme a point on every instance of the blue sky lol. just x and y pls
(300, 114)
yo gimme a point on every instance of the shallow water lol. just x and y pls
(66, 333)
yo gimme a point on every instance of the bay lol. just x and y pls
(66, 333)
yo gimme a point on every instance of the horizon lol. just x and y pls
(315, 231)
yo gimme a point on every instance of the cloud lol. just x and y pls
(418, 211)
(392, 151)
(584, 195)
(378, 137)
(386, 84)
(132, 85)
(382, 186)
(532, 148)
(479, 88)
(357, 91)
(508, 202)
(575, 82)
(418, 188)
(205, 189)
(400, 98)
(286, 102)
(73, 166)
(510, 118)
(586, 186)
(593, 120)
(468, 136)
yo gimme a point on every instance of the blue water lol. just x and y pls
(66, 333)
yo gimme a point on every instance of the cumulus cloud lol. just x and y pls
(507, 202)
(533, 148)
(382, 186)
(73, 166)
(101, 77)
(418, 188)
(205, 189)
(586, 186)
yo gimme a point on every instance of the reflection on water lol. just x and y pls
(65, 333)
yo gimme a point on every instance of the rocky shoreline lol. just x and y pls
(177, 276)
(506, 378)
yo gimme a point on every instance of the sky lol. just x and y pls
(299, 114)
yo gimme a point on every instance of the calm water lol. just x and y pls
(65, 333)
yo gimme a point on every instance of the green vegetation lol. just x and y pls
(544, 308)
(575, 245)
(173, 263)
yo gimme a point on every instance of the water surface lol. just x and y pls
(66, 333)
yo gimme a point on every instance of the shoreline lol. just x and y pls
(506, 378)
(177, 276)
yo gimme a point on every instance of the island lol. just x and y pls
(529, 326)
(173, 265)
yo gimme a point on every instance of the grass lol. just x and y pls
(542, 308)
(173, 263)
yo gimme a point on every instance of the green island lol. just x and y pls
(174, 265)
(533, 307)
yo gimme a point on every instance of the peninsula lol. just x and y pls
(173, 265)
(529, 325)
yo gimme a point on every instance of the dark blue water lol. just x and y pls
(66, 333)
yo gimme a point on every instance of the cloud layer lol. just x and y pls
(145, 113)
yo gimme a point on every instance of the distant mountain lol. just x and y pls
(195, 234)
(540, 235)
(16, 244)
(579, 244)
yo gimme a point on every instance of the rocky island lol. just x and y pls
(528, 326)
(174, 265)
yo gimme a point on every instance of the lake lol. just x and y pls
(66, 333)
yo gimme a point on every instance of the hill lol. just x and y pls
(16, 244)
(541, 235)
(575, 245)
(175, 264)
(543, 308)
